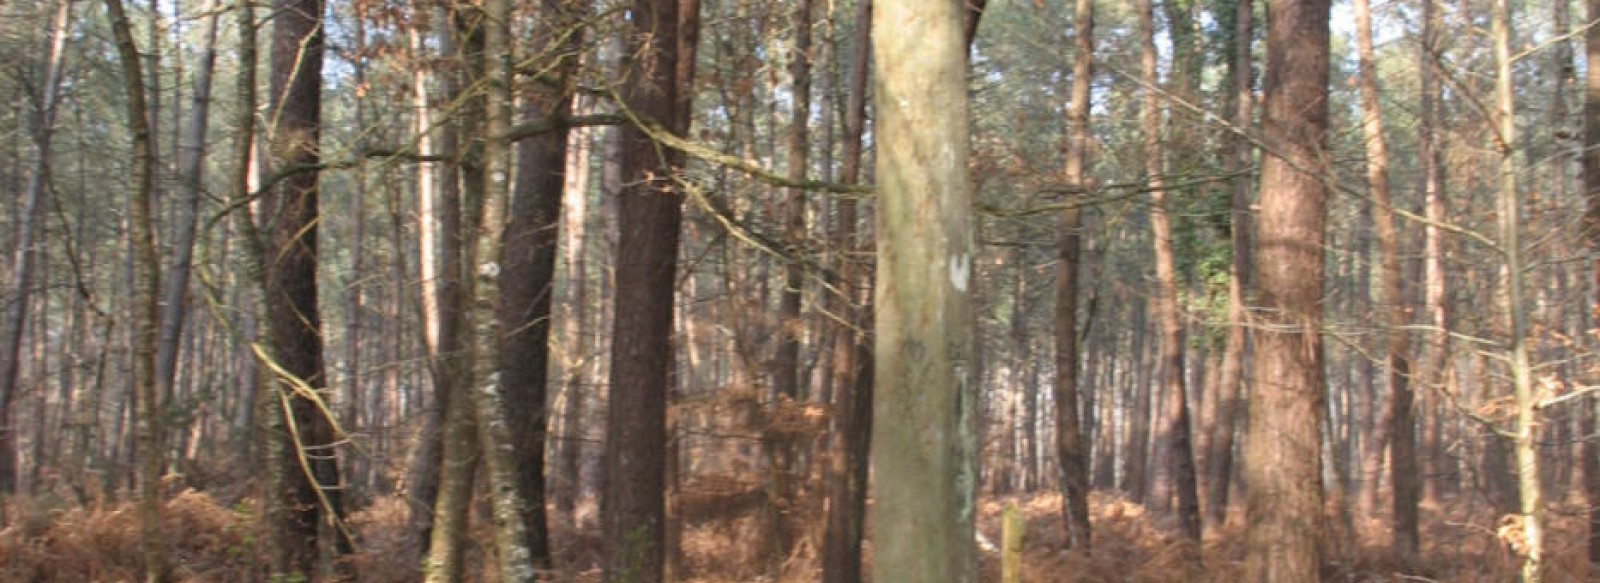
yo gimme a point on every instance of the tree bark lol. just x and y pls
(1177, 433)
(852, 354)
(147, 282)
(1396, 419)
(1530, 503)
(1591, 225)
(529, 256)
(20, 284)
(926, 403)
(310, 496)
(1072, 449)
(514, 560)
(1283, 457)
(1231, 377)
(650, 211)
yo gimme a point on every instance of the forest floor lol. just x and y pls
(47, 543)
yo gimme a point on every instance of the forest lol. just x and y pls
(635, 291)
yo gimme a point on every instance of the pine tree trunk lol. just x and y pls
(852, 355)
(1072, 448)
(1228, 404)
(1177, 434)
(1283, 458)
(1397, 413)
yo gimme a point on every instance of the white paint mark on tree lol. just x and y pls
(960, 271)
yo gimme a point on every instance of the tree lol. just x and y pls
(1283, 458)
(1591, 230)
(925, 396)
(1177, 434)
(650, 212)
(308, 498)
(1072, 448)
(20, 282)
(529, 253)
(852, 356)
(1231, 376)
(1524, 433)
(147, 283)
(1396, 422)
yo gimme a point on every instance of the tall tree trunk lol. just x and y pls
(1431, 185)
(310, 497)
(1231, 378)
(529, 254)
(651, 211)
(191, 157)
(1283, 457)
(852, 355)
(574, 235)
(514, 559)
(1072, 449)
(20, 285)
(1530, 502)
(1397, 352)
(1591, 186)
(147, 283)
(1177, 433)
(786, 361)
(440, 259)
(926, 467)
(353, 414)
(784, 450)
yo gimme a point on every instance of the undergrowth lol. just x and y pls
(726, 538)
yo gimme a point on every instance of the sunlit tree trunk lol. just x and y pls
(925, 406)
(1283, 457)
(1396, 421)
(1530, 503)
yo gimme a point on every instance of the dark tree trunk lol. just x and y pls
(309, 496)
(1591, 182)
(650, 212)
(529, 256)
(852, 354)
